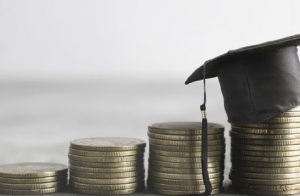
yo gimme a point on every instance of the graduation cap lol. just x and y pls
(258, 83)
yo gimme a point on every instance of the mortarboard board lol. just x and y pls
(258, 82)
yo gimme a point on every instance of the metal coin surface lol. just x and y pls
(185, 143)
(284, 120)
(269, 170)
(237, 163)
(295, 109)
(105, 159)
(184, 154)
(265, 176)
(108, 144)
(258, 136)
(183, 137)
(267, 142)
(183, 182)
(106, 181)
(99, 192)
(137, 163)
(187, 148)
(107, 175)
(271, 126)
(32, 170)
(184, 160)
(265, 159)
(213, 164)
(33, 186)
(183, 176)
(105, 154)
(269, 188)
(265, 131)
(29, 192)
(184, 128)
(290, 114)
(33, 180)
(199, 188)
(266, 182)
(181, 171)
(176, 192)
(267, 193)
(265, 148)
(105, 187)
(265, 153)
(103, 170)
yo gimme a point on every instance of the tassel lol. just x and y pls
(205, 176)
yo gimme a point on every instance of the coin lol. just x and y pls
(108, 144)
(266, 153)
(265, 131)
(184, 128)
(295, 119)
(290, 114)
(183, 137)
(183, 176)
(31, 170)
(187, 148)
(269, 170)
(236, 163)
(99, 192)
(264, 136)
(295, 109)
(184, 154)
(137, 163)
(183, 182)
(33, 186)
(103, 170)
(265, 148)
(106, 180)
(271, 126)
(265, 159)
(176, 192)
(267, 193)
(267, 142)
(181, 171)
(266, 182)
(185, 143)
(199, 188)
(29, 192)
(213, 164)
(107, 175)
(105, 187)
(105, 154)
(265, 176)
(268, 188)
(184, 160)
(105, 159)
(33, 180)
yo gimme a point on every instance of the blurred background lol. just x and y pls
(83, 68)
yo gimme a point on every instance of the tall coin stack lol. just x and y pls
(266, 156)
(107, 165)
(32, 178)
(175, 158)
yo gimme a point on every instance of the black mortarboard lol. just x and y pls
(258, 82)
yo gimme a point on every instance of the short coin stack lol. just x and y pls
(266, 156)
(32, 178)
(175, 158)
(107, 165)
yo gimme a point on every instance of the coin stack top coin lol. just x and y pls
(266, 156)
(175, 158)
(107, 165)
(32, 178)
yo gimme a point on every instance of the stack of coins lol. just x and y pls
(266, 156)
(175, 158)
(107, 165)
(32, 178)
